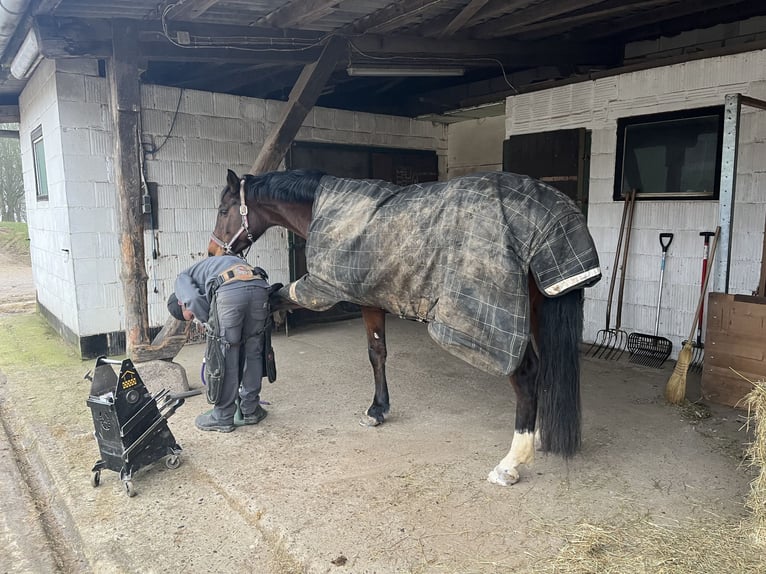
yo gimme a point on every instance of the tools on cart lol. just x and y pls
(610, 342)
(675, 390)
(653, 350)
(698, 347)
(131, 425)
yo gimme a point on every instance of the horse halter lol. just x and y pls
(227, 247)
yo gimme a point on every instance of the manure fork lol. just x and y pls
(609, 340)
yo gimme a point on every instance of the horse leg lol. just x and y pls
(375, 325)
(524, 382)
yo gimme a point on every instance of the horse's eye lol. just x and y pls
(223, 211)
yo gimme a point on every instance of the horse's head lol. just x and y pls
(236, 225)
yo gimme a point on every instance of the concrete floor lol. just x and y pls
(310, 490)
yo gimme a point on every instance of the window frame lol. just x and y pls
(626, 122)
(40, 180)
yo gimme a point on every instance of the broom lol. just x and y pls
(675, 390)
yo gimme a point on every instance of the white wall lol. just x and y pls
(211, 133)
(49, 220)
(596, 106)
(475, 145)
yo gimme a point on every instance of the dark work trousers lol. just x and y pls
(242, 308)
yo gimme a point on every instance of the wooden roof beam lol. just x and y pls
(393, 15)
(463, 17)
(535, 13)
(296, 14)
(303, 96)
(190, 9)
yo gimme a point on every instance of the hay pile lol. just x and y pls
(755, 402)
(640, 546)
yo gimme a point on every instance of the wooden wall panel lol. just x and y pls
(735, 339)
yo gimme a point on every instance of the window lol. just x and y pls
(670, 156)
(38, 157)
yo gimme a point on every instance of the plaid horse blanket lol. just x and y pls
(454, 254)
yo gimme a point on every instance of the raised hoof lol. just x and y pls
(503, 477)
(368, 421)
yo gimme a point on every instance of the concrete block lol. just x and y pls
(324, 118)
(81, 195)
(225, 105)
(91, 171)
(70, 87)
(252, 109)
(187, 126)
(363, 122)
(344, 120)
(76, 141)
(196, 102)
(96, 90)
(101, 144)
(83, 66)
(83, 115)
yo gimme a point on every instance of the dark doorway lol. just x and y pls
(399, 166)
(560, 158)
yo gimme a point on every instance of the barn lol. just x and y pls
(130, 113)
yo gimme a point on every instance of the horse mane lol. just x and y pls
(294, 186)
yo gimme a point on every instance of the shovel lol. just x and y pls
(653, 350)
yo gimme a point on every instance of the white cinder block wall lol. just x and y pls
(596, 106)
(48, 220)
(211, 133)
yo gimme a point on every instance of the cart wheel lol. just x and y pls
(95, 478)
(173, 461)
(129, 488)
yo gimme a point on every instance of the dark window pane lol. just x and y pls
(663, 156)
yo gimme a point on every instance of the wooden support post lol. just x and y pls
(126, 106)
(303, 96)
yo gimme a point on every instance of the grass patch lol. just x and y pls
(14, 238)
(28, 341)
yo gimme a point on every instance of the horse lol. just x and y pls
(495, 263)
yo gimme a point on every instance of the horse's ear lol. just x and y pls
(232, 180)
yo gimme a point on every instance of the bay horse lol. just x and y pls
(495, 263)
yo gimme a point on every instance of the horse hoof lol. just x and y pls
(368, 421)
(503, 477)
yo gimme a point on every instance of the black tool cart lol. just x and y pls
(131, 424)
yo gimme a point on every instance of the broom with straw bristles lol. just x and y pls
(675, 390)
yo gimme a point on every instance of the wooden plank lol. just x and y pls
(761, 292)
(190, 9)
(298, 13)
(126, 107)
(394, 15)
(735, 339)
(535, 13)
(463, 17)
(302, 98)
(724, 387)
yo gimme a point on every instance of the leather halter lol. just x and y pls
(243, 211)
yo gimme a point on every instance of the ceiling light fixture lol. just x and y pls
(26, 59)
(403, 71)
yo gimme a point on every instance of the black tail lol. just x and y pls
(560, 333)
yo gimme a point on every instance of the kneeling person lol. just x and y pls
(232, 299)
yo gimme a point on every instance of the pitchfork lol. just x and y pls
(609, 341)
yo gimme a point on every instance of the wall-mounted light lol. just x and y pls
(26, 59)
(403, 71)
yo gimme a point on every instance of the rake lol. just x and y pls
(698, 347)
(609, 340)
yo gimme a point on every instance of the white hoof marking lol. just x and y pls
(503, 477)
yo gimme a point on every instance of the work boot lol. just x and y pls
(206, 422)
(255, 417)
